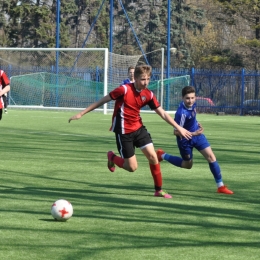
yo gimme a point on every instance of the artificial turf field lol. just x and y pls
(116, 216)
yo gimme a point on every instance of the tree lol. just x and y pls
(186, 18)
(149, 20)
(32, 23)
(4, 41)
(206, 33)
(202, 45)
(244, 14)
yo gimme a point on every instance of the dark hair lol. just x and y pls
(187, 90)
(131, 68)
(143, 69)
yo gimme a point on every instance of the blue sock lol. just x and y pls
(173, 159)
(215, 169)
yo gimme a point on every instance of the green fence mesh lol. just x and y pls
(53, 90)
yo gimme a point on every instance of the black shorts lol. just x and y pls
(126, 143)
(1, 112)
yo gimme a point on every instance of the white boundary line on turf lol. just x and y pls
(73, 108)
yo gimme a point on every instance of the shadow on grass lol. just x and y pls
(106, 201)
(49, 220)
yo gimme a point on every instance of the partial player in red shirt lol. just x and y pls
(128, 126)
(4, 88)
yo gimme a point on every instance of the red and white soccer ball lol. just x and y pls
(61, 210)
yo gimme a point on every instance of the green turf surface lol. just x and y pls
(116, 216)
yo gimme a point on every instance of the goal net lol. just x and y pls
(62, 78)
(168, 91)
(54, 90)
(73, 78)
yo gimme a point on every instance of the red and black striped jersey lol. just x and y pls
(4, 81)
(128, 103)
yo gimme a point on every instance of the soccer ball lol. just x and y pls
(61, 210)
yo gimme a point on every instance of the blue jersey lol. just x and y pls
(125, 81)
(186, 117)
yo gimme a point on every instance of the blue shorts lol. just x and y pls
(200, 142)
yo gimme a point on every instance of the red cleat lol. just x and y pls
(163, 194)
(159, 153)
(110, 164)
(224, 189)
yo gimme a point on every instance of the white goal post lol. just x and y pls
(26, 67)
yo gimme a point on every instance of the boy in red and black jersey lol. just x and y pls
(4, 88)
(128, 127)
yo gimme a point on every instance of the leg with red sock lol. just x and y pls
(157, 177)
(113, 161)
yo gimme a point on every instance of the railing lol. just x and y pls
(231, 92)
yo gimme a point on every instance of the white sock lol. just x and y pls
(220, 184)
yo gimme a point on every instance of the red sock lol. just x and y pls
(157, 175)
(118, 161)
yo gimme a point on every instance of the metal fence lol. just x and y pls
(230, 92)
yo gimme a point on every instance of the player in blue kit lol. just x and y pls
(186, 118)
(130, 79)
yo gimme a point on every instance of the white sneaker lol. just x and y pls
(5, 111)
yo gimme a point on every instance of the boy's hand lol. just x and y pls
(183, 133)
(75, 117)
(200, 130)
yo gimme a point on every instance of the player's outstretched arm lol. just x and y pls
(91, 107)
(166, 117)
(5, 90)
